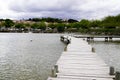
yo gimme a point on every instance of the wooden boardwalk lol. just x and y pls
(80, 63)
(78, 36)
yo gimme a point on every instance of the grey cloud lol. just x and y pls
(77, 9)
(37, 6)
(60, 8)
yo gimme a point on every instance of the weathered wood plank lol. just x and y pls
(80, 78)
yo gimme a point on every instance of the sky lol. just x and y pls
(65, 9)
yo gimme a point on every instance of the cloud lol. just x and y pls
(55, 8)
(77, 9)
(43, 5)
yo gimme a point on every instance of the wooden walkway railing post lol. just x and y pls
(56, 68)
(53, 73)
(110, 38)
(93, 49)
(106, 39)
(112, 71)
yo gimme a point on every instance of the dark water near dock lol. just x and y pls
(27, 56)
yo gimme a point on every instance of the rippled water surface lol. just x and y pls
(27, 56)
(109, 52)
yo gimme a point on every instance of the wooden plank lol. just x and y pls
(80, 78)
(85, 75)
(82, 65)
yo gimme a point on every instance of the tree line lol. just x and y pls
(109, 25)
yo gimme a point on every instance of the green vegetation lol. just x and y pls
(19, 25)
(8, 23)
(109, 25)
(45, 20)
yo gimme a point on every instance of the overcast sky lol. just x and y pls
(76, 9)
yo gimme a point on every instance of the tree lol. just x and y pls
(72, 20)
(117, 18)
(75, 25)
(19, 25)
(27, 25)
(84, 24)
(109, 19)
(1, 19)
(49, 19)
(51, 25)
(35, 19)
(1, 24)
(8, 23)
(60, 27)
(40, 25)
(35, 25)
(95, 23)
(109, 22)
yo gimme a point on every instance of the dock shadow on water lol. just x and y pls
(28, 56)
(109, 52)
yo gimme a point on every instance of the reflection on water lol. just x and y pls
(109, 52)
(28, 56)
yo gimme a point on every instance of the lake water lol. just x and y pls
(109, 52)
(27, 56)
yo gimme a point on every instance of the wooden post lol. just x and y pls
(56, 68)
(112, 70)
(53, 74)
(110, 38)
(117, 76)
(88, 39)
(65, 49)
(92, 38)
(68, 41)
(93, 49)
(106, 39)
(62, 38)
